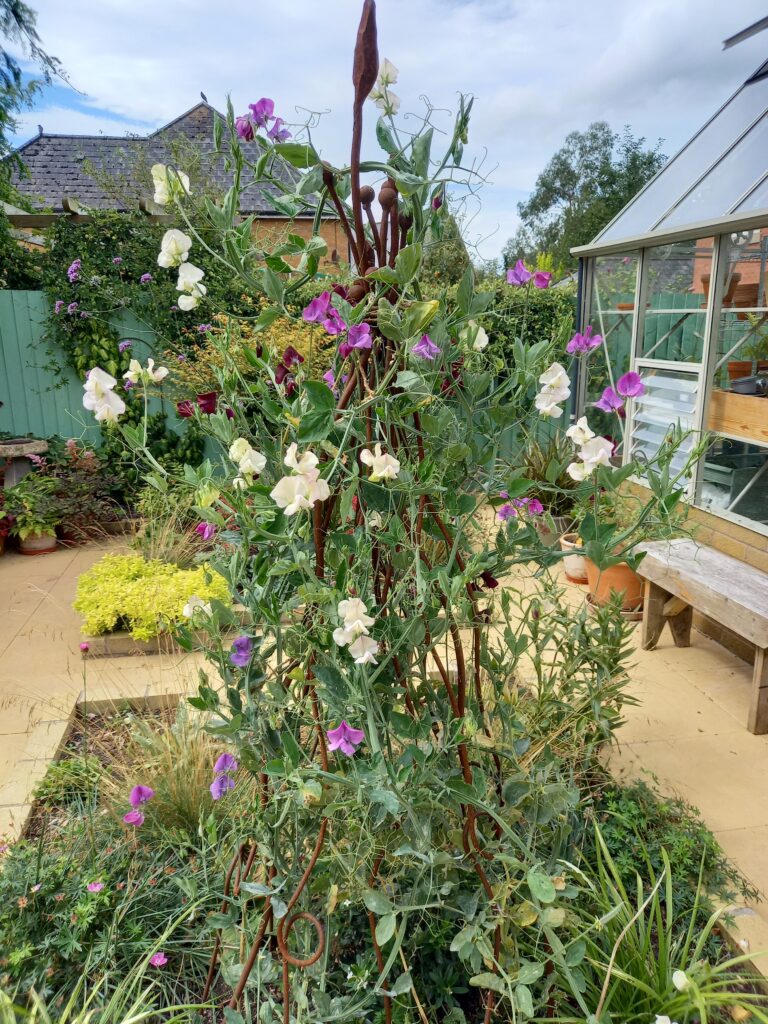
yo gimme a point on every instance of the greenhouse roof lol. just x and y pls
(719, 177)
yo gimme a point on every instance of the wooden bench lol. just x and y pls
(681, 576)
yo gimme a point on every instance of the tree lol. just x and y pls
(18, 24)
(588, 180)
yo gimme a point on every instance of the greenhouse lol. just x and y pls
(676, 284)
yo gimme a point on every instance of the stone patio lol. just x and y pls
(688, 731)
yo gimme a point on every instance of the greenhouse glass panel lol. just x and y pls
(682, 170)
(756, 200)
(678, 277)
(734, 480)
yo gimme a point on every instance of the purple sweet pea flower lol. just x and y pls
(124, 344)
(127, 386)
(535, 507)
(507, 511)
(334, 324)
(225, 763)
(135, 818)
(73, 271)
(244, 128)
(95, 886)
(542, 278)
(204, 328)
(145, 279)
(359, 336)
(630, 385)
(72, 308)
(315, 312)
(220, 785)
(262, 111)
(158, 959)
(330, 379)
(609, 401)
(344, 349)
(504, 495)
(585, 342)
(277, 133)
(519, 274)
(426, 348)
(84, 315)
(140, 795)
(117, 260)
(242, 649)
(58, 305)
(345, 738)
(205, 530)
(437, 202)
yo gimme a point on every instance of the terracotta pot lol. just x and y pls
(739, 368)
(575, 564)
(603, 583)
(38, 544)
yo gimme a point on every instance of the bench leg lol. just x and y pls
(680, 624)
(758, 710)
(654, 599)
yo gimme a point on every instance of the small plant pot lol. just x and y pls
(38, 544)
(738, 368)
(575, 563)
(618, 579)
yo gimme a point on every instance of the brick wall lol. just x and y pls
(736, 541)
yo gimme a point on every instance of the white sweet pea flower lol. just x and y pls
(387, 73)
(548, 401)
(249, 461)
(596, 452)
(383, 466)
(363, 650)
(579, 432)
(196, 604)
(136, 373)
(305, 464)
(303, 488)
(475, 335)
(355, 616)
(664, 1020)
(386, 100)
(578, 471)
(174, 248)
(291, 494)
(555, 377)
(681, 981)
(240, 483)
(168, 183)
(189, 280)
(342, 636)
(100, 397)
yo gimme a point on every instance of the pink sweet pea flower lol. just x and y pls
(542, 279)
(359, 336)
(585, 342)
(158, 960)
(519, 274)
(630, 385)
(205, 530)
(225, 763)
(277, 133)
(426, 348)
(244, 128)
(535, 507)
(330, 379)
(609, 401)
(135, 818)
(507, 511)
(345, 738)
(315, 312)
(262, 111)
(334, 324)
(140, 795)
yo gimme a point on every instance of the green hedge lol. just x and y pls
(530, 314)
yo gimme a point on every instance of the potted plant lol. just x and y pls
(546, 462)
(32, 504)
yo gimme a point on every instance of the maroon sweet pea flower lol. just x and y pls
(207, 402)
(341, 290)
(244, 128)
(185, 409)
(291, 357)
(453, 378)
(345, 738)
(437, 202)
(344, 349)
(290, 385)
(489, 580)
(519, 274)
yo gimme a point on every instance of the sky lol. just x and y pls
(538, 69)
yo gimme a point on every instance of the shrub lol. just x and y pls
(145, 597)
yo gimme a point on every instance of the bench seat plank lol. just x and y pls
(721, 587)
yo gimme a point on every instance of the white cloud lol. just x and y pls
(538, 69)
(58, 119)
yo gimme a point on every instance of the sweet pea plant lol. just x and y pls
(402, 794)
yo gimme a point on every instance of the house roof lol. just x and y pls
(717, 179)
(76, 166)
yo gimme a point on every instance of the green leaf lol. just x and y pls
(408, 380)
(291, 748)
(464, 291)
(273, 285)
(389, 321)
(524, 1000)
(297, 154)
(418, 317)
(310, 182)
(402, 985)
(575, 953)
(384, 274)
(542, 887)
(319, 395)
(385, 928)
(529, 973)
(422, 145)
(377, 902)
(407, 183)
(408, 263)
(345, 506)
(385, 138)
(315, 426)
(256, 889)
(488, 980)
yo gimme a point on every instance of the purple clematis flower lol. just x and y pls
(507, 511)
(225, 763)
(204, 328)
(585, 342)
(425, 348)
(117, 260)
(277, 133)
(345, 738)
(140, 795)
(72, 307)
(221, 785)
(359, 336)
(135, 818)
(242, 649)
(315, 312)
(262, 111)
(124, 344)
(205, 530)
(519, 274)
(630, 385)
(145, 279)
(542, 278)
(244, 128)
(609, 401)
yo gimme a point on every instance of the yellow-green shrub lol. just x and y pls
(145, 597)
